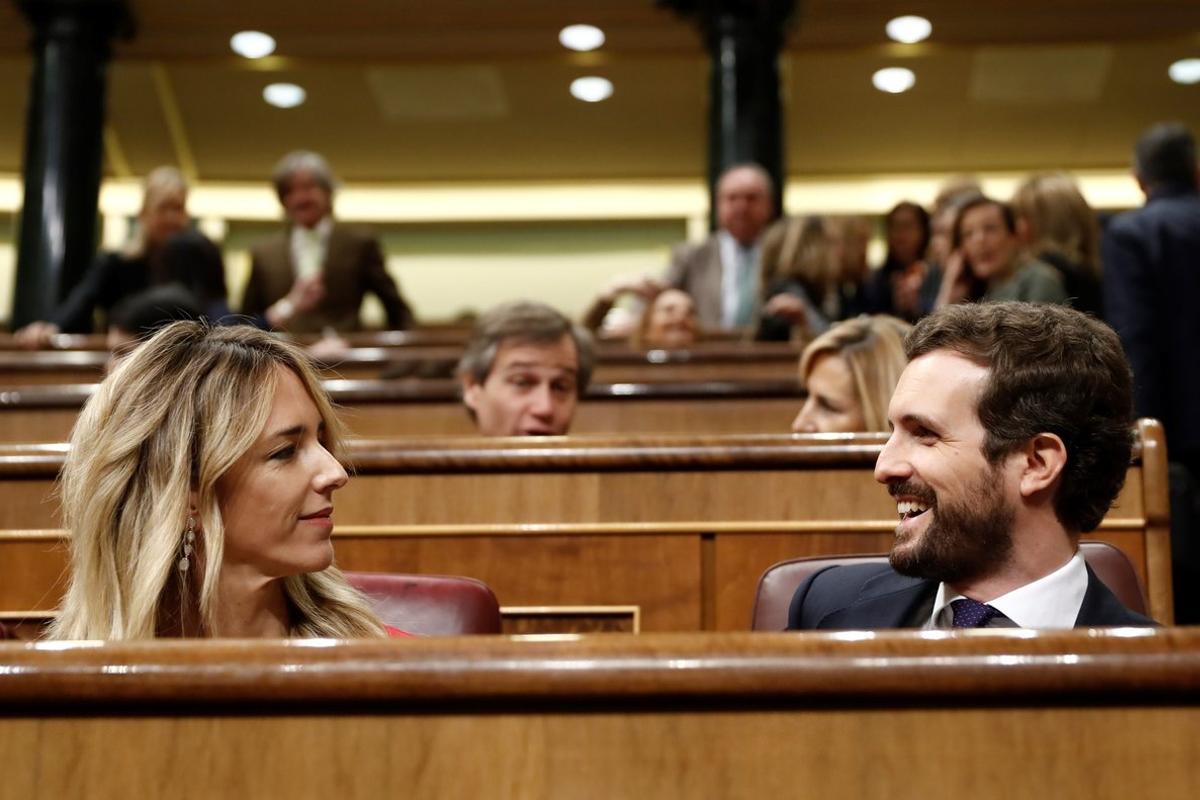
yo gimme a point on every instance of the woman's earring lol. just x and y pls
(189, 538)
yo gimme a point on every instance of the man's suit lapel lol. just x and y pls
(889, 600)
(710, 275)
(335, 248)
(1101, 607)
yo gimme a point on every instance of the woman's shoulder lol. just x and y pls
(396, 633)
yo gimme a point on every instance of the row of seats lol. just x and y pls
(436, 605)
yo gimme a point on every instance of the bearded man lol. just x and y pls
(1011, 436)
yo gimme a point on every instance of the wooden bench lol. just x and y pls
(656, 534)
(1090, 713)
(614, 364)
(433, 408)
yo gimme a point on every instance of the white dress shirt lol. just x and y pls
(736, 259)
(1049, 602)
(308, 247)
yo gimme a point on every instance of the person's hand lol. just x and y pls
(788, 307)
(330, 348)
(955, 280)
(36, 335)
(906, 289)
(307, 293)
(644, 286)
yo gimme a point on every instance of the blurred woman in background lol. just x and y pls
(1056, 225)
(162, 250)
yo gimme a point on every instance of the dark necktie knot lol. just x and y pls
(970, 613)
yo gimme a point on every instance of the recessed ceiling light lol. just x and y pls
(581, 37)
(252, 44)
(894, 80)
(284, 95)
(909, 30)
(592, 89)
(1185, 70)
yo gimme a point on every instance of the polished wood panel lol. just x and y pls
(433, 408)
(723, 362)
(1092, 714)
(680, 527)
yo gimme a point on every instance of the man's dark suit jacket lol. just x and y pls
(870, 596)
(353, 266)
(1152, 299)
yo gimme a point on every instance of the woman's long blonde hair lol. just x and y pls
(160, 182)
(1062, 222)
(801, 249)
(166, 423)
(873, 349)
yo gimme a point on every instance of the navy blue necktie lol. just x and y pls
(970, 613)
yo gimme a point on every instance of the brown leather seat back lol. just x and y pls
(430, 605)
(779, 582)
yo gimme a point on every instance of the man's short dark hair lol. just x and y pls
(145, 312)
(525, 322)
(971, 201)
(1166, 154)
(1052, 370)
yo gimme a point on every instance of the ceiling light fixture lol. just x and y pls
(591, 89)
(581, 37)
(252, 44)
(894, 80)
(1186, 70)
(909, 29)
(284, 95)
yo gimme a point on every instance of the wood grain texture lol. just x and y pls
(698, 518)
(1083, 753)
(1100, 666)
(375, 408)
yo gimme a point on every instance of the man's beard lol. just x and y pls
(963, 540)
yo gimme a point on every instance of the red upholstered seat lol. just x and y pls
(780, 581)
(430, 605)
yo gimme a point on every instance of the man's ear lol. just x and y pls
(470, 391)
(1045, 458)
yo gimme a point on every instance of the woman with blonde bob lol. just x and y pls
(198, 491)
(1056, 225)
(850, 372)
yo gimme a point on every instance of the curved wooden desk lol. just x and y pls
(988, 714)
(666, 533)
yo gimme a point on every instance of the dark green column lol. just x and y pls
(745, 120)
(63, 146)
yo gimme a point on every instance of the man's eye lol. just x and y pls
(521, 381)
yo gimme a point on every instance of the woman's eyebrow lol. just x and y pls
(288, 433)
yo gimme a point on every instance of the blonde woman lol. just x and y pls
(850, 372)
(1057, 226)
(162, 250)
(199, 494)
(801, 270)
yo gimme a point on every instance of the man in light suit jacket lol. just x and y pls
(1011, 437)
(722, 272)
(313, 275)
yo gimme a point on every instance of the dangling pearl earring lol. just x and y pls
(189, 538)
